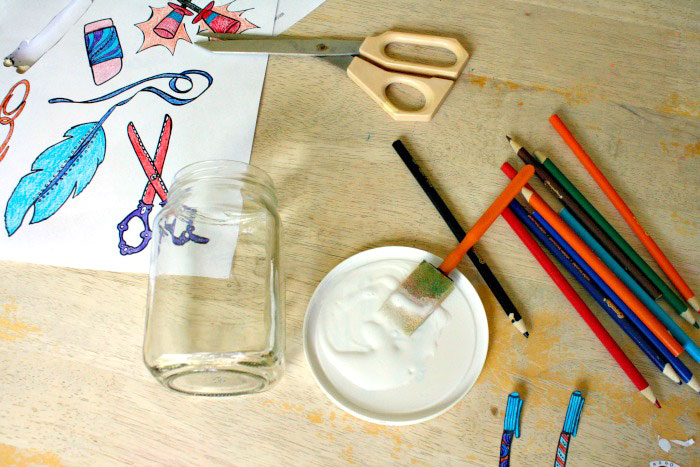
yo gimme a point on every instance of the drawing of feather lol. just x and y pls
(63, 169)
(67, 167)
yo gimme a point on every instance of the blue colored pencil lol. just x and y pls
(675, 330)
(587, 282)
(675, 362)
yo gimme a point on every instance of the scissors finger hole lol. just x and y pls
(421, 54)
(405, 97)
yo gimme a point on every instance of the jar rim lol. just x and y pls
(221, 168)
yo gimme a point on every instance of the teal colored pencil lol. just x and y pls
(675, 330)
(669, 295)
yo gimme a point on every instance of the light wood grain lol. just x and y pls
(622, 75)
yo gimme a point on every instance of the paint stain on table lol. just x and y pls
(680, 151)
(575, 95)
(11, 328)
(12, 455)
(673, 105)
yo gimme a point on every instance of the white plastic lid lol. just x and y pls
(451, 372)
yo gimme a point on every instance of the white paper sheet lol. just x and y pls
(290, 12)
(220, 123)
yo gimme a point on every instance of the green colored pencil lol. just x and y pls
(676, 303)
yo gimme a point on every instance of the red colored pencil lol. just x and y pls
(625, 212)
(598, 266)
(603, 336)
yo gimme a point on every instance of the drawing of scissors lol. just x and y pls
(155, 186)
(8, 117)
(367, 64)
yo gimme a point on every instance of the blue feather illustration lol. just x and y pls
(61, 170)
(68, 167)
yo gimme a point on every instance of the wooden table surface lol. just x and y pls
(622, 74)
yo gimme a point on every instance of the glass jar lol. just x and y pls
(215, 317)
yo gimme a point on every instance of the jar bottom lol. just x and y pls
(230, 379)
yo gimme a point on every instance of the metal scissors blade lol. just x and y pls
(274, 46)
(370, 66)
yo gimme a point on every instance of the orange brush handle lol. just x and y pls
(600, 268)
(486, 219)
(622, 207)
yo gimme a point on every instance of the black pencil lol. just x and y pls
(459, 232)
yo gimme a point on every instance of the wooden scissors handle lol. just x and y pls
(374, 81)
(374, 48)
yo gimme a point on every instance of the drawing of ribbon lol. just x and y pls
(8, 117)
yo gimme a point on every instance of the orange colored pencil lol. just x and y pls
(598, 266)
(626, 212)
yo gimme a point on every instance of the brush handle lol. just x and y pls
(506, 441)
(485, 221)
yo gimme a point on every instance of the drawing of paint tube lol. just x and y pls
(103, 49)
(29, 52)
(217, 22)
(169, 25)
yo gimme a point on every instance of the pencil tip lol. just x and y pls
(508, 137)
(656, 403)
(697, 326)
(527, 334)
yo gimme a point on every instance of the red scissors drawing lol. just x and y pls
(8, 117)
(155, 186)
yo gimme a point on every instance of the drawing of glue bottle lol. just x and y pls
(169, 25)
(217, 22)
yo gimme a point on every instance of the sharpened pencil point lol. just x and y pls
(527, 334)
(514, 144)
(656, 403)
(697, 326)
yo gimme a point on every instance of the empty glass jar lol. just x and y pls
(215, 318)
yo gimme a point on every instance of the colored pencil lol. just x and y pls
(675, 362)
(669, 295)
(626, 212)
(599, 234)
(572, 263)
(587, 254)
(654, 307)
(588, 317)
(451, 221)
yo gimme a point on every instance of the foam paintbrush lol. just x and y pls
(427, 286)
(489, 277)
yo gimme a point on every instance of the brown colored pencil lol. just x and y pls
(599, 234)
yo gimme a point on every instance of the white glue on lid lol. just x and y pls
(371, 369)
(366, 347)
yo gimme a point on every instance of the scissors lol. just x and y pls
(155, 186)
(367, 64)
